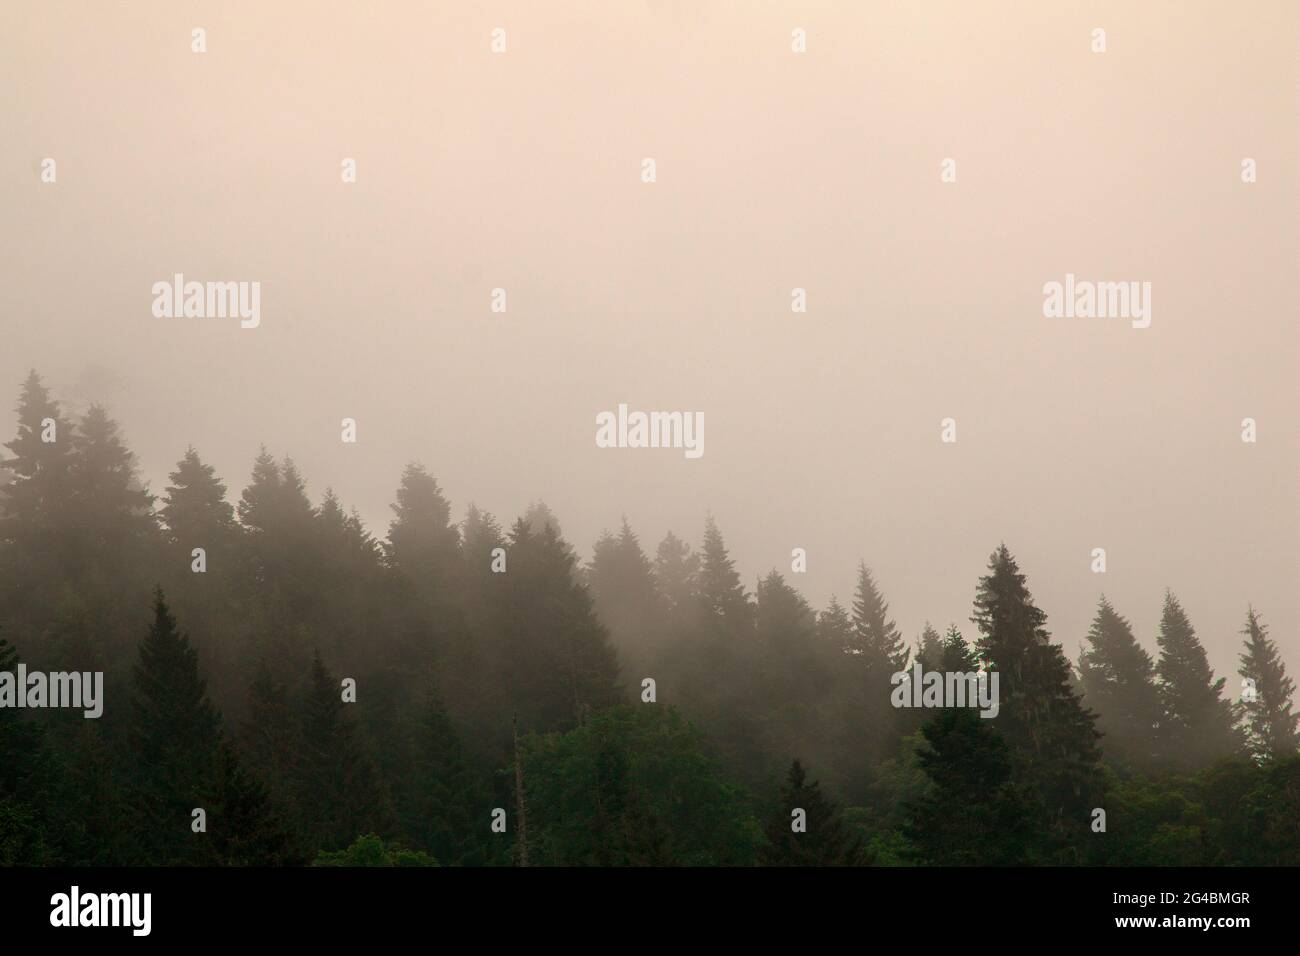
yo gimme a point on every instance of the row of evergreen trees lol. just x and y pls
(1172, 713)
(493, 670)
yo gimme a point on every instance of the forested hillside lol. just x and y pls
(465, 690)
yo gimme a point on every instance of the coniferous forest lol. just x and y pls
(461, 689)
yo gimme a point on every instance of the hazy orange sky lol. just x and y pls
(775, 170)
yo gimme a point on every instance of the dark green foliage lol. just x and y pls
(337, 791)
(452, 631)
(174, 737)
(95, 824)
(821, 837)
(245, 828)
(270, 733)
(23, 783)
(633, 786)
(1264, 828)
(955, 654)
(1051, 735)
(977, 813)
(1150, 822)
(1236, 812)
(446, 799)
(20, 738)
(371, 850)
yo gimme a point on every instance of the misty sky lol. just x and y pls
(775, 171)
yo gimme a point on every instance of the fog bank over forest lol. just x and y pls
(774, 172)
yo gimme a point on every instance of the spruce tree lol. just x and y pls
(875, 652)
(42, 458)
(195, 509)
(113, 532)
(850, 715)
(257, 502)
(627, 601)
(96, 820)
(37, 547)
(791, 688)
(787, 626)
(295, 508)
(676, 572)
(822, 837)
(477, 701)
(346, 563)
(1199, 724)
(955, 654)
(539, 517)
(269, 735)
(245, 828)
(282, 531)
(976, 813)
(16, 735)
(834, 625)
(197, 515)
(108, 492)
(174, 735)
(876, 640)
(73, 640)
(1270, 727)
(338, 793)
(445, 798)
(1117, 678)
(24, 790)
(422, 541)
(633, 785)
(929, 648)
(1040, 717)
(480, 535)
(554, 655)
(284, 562)
(714, 666)
(722, 595)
